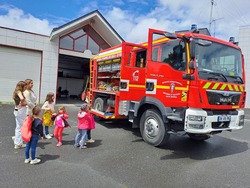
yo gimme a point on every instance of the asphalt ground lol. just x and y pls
(120, 158)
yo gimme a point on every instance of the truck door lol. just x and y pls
(132, 86)
(167, 62)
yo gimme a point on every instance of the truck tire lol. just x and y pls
(152, 128)
(198, 137)
(99, 104)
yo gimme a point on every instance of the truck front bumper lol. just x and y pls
(198, 121)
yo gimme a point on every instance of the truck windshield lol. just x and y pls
(218, 62)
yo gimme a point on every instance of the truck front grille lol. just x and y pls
(223, 97)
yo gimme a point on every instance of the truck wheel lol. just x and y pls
(152, 128)
(99, 104)
(198, 137)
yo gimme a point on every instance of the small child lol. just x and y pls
(84, 123)
(36, 130)
(49, 109)
(60, 124)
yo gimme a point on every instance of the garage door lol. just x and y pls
(18, 64)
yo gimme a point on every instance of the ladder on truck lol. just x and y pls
(90, 93)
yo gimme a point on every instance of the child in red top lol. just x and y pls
(60, 124)
(84, 123)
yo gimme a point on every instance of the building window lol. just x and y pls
(81, 44)
(66, 43)
(93, 47)
(82, 39)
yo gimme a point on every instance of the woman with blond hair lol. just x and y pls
(19, 112)
(29, 96)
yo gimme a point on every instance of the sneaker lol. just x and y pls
(26, 161)
(35, 161)
(20, 146)
(84, 147)
(51, 135)
(76, 145)
(47, 136)
(59, 144)
(13, 138)
(91, 140)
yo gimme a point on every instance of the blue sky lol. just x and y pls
(130, 18)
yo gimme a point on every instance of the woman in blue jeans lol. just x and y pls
(37, 130)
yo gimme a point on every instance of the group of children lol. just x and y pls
(59, 120)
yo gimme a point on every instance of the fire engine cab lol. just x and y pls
(174, 82)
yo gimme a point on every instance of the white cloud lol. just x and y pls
(177, 15)
(17, 19)
(133, 25)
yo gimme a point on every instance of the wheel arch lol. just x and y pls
(152, 103)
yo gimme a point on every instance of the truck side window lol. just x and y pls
(173, 53)
(141, 59)
(155, 54)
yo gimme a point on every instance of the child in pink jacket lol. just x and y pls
(60, 124)
(84, 123)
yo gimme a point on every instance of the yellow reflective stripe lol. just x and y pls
(207, 85)
(188, 57)
(168, 87)
(235, 106)
(181, 88)
(108, 54)
(216, 86)
(230, 87)
(160, 40)
(223, 86)
(162, 87)
(110, 117)
(241, 88)
(236, 88)
(134, 85)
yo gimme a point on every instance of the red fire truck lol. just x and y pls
(174, 82)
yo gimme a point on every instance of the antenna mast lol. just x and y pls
(211, 14)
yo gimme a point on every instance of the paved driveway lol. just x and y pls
(120, 158)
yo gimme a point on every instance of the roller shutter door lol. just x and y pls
(18, 64)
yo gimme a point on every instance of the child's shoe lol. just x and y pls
(91, 140)
(35, 161)
(47, 136)
(20, 146)
(26, 161)
(59, 144)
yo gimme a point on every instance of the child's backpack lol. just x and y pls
(26, 129)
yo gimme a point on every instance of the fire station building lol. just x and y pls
(59, 60)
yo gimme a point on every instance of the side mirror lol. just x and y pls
(192, 49)
(191, 65)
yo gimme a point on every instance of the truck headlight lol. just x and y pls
(241, 120)
(195, 118)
